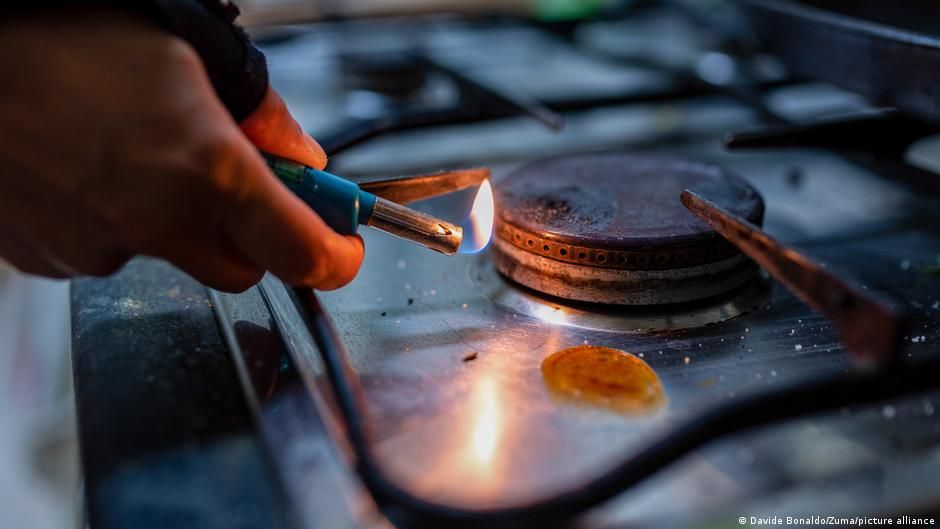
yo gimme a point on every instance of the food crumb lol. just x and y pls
(411, 301)
(797, 347)
(470, 357)
(464, 306)
(905, 264)
(384, 314)
(687, 360)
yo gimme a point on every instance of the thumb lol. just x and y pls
(272, 129)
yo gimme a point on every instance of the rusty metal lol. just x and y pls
(606, 228)
(621, 287)
(615, 259)
(870, 327)
(407, 189)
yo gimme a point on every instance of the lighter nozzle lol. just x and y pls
(428, 231)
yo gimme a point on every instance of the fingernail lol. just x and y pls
(315, 147)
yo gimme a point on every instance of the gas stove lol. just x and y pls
(453, 362)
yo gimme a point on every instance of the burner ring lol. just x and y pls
(621, 287)
(609, 228)
(615, 259)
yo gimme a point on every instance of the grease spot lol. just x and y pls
(604, 377)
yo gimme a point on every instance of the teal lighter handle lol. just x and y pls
(339, 202)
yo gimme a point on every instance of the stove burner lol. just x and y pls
(609, 228)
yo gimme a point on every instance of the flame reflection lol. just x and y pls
(468, 462)
(479, 227)
(485, 425)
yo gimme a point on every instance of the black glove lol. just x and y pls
(236, 67)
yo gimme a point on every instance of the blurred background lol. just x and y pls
(260, 12)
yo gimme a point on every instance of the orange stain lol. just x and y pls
(604, 377)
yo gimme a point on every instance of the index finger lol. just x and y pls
(272, 129)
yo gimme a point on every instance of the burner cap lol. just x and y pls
(610, 228)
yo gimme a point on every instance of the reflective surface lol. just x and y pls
(451, 356)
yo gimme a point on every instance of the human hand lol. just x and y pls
(114, 143)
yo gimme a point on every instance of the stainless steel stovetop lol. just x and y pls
(449, 351)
